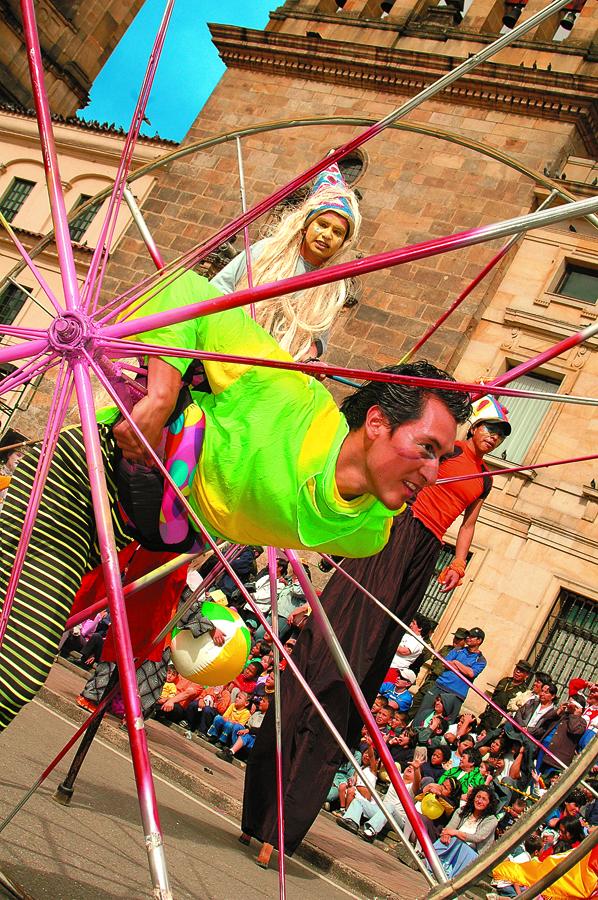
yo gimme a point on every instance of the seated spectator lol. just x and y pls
(243, 738)
(510, 814)
(202, 711)
(83, 643)
(467, 742)
(571, 807)
(566, 733)
(358, 796)
(465, 724)
(378, 703)
(172, 707)
(467, 773)
(247, 680)
(292, 608)
(434, 767)
(344, 772)
(260, 592)
(402, 745)
(265, 689)
(570, 835)
(433, 735)
(399, 719)
(539, 714)
(378, 821)
(436, 803)
(469, 831)
(438, 709)
(399, 690)
(222, 730)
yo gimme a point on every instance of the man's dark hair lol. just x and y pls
(474, 756)
(543, 677)
(401, 403)
(551, 686)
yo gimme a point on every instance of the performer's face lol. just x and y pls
(324, 236)
(400, 463)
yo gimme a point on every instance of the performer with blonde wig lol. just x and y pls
(319, 232)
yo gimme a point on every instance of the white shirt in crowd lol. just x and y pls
(415, 646)
(538, 713)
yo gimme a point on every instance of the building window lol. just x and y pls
(435, 601)
(525, 415)
(81, 223)
(579, 283)
(568, 645)
(352, 166)
(12, 298)
(14, 197)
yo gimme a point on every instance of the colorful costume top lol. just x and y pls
(438, 506)
(266, 473)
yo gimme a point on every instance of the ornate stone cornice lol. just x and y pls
(543, 326)
(514, 89)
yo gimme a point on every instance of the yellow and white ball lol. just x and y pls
(200, 660)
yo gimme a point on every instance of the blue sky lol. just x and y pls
(189, 66)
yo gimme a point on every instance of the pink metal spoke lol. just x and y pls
(197, 254)
(282, 885)
(31, 266)
(353, 268)
(124, 651)
(22, 351)
(115, 347)
(338, 655)
(58, 410)
(445, 662)
(510, 470)
(42, 363)
(44, 121)
(22, 332)
(251, 603)
(99, 259)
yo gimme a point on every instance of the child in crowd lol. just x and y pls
(223, 729)
(244, 738)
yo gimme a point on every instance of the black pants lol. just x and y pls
(397, 576)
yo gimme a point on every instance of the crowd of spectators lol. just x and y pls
(471, 777)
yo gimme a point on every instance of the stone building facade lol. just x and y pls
(532, 579)
(76, 38)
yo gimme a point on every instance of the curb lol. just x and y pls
(308, 852)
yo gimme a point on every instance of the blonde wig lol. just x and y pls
(295, 320)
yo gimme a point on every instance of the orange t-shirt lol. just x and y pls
(438, 506)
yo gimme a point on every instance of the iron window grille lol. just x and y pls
(568, 644)
(12, 299)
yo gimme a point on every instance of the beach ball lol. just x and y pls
(200, 660)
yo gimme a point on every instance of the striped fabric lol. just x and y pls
(63, 547)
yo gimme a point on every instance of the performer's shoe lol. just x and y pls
(327, 806)
(225, 754)
(349, 824)
(263, 857)
(244, 839)
(84, 703)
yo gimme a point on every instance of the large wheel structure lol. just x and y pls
(84, 343)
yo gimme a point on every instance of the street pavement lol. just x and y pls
(94, 848)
